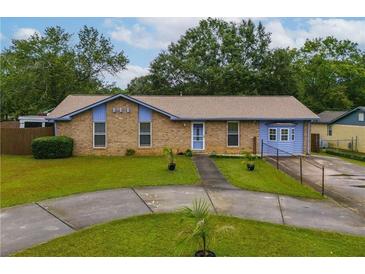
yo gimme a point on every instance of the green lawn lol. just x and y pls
(264, 178)
(24, 179)
(159, 235)
(356, 162)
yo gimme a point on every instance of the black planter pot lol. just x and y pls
(200, 253)
(250, 167)
(171, 166)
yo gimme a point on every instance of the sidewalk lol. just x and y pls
(27, 225)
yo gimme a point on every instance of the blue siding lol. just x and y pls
(99, 113)
(293, 147)
(351, 119)
(144, 114)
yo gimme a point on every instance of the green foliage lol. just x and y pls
(203, 233)
(39, 72)
(331, 74)
(188, 153)
(346, 154)
(156, 235)
(169, 154)
(266, 178)
(26, 180)
(226, 58)
(52, 147)
(130, 152)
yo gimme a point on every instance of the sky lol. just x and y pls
(142, 39)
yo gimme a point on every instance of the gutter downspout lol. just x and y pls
(308, 137)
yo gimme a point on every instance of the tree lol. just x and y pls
(331, 74)
(216, 57)
(37, 73)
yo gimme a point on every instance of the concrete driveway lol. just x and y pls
(344, 181)
(32, 224)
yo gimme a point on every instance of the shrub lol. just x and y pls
(130, 152)
(346, 154)
(52, 147)
(188, 153)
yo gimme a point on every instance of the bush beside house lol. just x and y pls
(52, 147)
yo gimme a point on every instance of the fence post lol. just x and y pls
(301, 170)
(277, 159)
(322, 180)
(254, 150)
(262, 148)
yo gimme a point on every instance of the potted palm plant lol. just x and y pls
(171, 159)
(202, 233)
(250, 161)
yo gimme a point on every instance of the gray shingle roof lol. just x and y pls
(328, 116)
(206, 107)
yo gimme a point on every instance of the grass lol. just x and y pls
(158, 235)
(352, 161)
(264, 178)
(24, 179)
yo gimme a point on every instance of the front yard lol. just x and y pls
(25, 180)
(264, 178)
(159, 235)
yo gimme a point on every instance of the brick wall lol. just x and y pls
(216, 137)
(122, 133)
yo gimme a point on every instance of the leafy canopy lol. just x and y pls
(219, 57)
(39, 72)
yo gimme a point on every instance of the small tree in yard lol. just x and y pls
(171, 158)
(203, 233)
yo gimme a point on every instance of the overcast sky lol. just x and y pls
(143, 38)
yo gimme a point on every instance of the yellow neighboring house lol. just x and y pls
(342, 129)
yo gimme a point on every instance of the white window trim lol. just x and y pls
(192, 136)
(291, 134)
(139, 134)
(276, 134)
(98, 147)
(329, 128)
(238, 133)
(362, 115)
(281, 139)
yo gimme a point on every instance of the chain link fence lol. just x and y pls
(299, 167)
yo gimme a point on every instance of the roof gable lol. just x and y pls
(67, 114)
(350, 117)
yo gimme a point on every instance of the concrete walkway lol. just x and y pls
(209, 173)
(27, 225)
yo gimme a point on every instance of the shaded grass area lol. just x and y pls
(24, 179)
(264, 178)
(159, 235)
(352, 161)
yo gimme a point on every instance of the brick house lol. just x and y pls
(111, 124)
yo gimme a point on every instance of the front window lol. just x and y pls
(293, 134)
(284, 134)
(329, 130)
(361, 117)
(233, 134)
(99, 135)
(272, 134)
(145, 134)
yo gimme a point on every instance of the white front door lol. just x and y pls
(198, 136)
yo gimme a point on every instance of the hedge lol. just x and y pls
(52, 147)
(346, 154)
